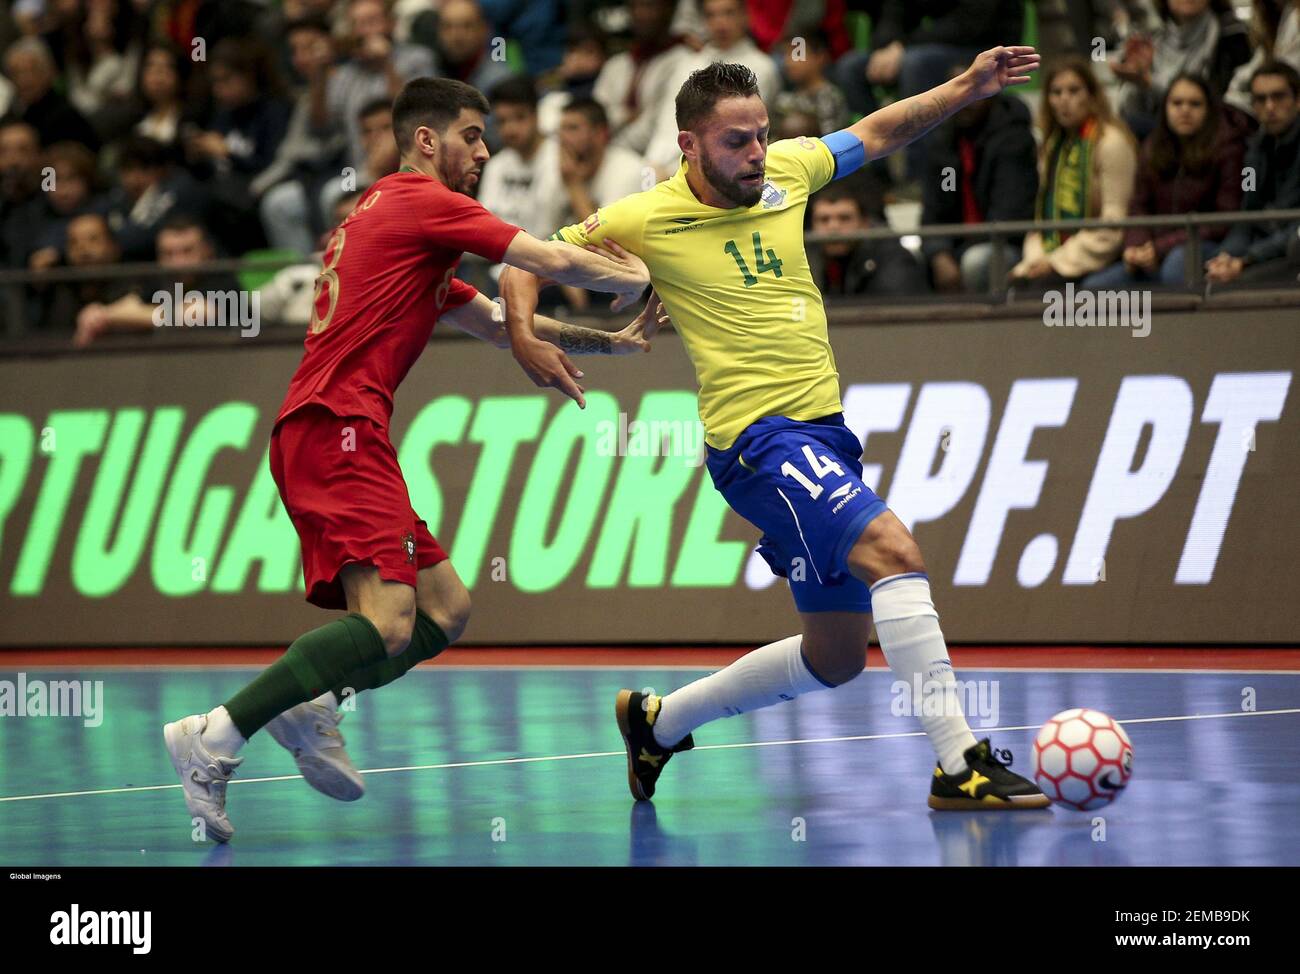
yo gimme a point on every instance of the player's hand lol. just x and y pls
(1001, 67)
(549, 367)
(636, 336)
(638, 275)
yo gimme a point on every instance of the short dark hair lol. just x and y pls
(95, 215)
(181, 222)
(581, 34)
(1282, 69)
(861, 187)
(380, 104)
(308, 22)
(435, 102)
(592, 110)
(251, 58)
(705, 87)
(814, 38)
(515, 90)
(835, 192)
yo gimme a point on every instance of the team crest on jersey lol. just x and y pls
(408, 542)
(772, 197)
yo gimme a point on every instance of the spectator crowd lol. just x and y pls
(176, 131)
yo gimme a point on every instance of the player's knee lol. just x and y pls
(452, 613)
(396, 627)
(885, 548)
(845, 667)
(837, 662)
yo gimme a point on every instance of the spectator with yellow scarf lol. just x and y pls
(1086, 165)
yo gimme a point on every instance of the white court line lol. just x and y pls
(607, 754)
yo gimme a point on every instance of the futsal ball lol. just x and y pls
(1082, 759)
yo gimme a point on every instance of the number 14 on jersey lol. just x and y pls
(821, 466)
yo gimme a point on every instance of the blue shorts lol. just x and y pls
(800, 483)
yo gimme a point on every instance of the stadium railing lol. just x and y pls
(17, 333)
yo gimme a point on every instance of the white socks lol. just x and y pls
(768, 675)
(908, 628)
(221, 736)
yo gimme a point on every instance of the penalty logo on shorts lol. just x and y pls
(408, 542)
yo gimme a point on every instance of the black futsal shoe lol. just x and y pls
(985, 785)
(636, 713)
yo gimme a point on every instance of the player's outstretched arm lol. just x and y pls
(485, 320)
(539, 343)
(624, 274)
(577, 340)
(906, 120)
(481, 317)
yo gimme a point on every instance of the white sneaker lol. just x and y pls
(203, 774)
(310, 733)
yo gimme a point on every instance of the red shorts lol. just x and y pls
(347, 499)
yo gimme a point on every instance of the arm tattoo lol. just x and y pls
(921, 116)
(581, 341)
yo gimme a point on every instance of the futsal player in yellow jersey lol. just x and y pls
(723, 240)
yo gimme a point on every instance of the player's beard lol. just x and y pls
(729, 189)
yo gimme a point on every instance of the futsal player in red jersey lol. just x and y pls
(388, 276)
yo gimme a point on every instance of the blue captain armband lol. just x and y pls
(848, 150)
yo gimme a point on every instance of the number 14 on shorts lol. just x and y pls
(821, 466)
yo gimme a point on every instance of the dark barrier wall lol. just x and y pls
(1065, 484)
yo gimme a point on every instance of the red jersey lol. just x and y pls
(388, 275)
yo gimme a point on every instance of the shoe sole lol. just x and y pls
(329, 780)
(320, 774)
(622, 704)
(972, 805)
(171, 738)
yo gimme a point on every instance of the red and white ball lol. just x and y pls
(1082, 759)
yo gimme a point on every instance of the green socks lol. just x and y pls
(427, 641)
(346, 654)
(315, 662)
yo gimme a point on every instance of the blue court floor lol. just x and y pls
(505, 766)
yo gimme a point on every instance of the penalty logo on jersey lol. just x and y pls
(772, 197)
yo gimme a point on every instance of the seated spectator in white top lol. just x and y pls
(633, 85)
(517, 178)
(512, 183)
(160, 94)
(727, 24)
(591, 173)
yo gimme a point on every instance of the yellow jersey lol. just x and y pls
(737, 286)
